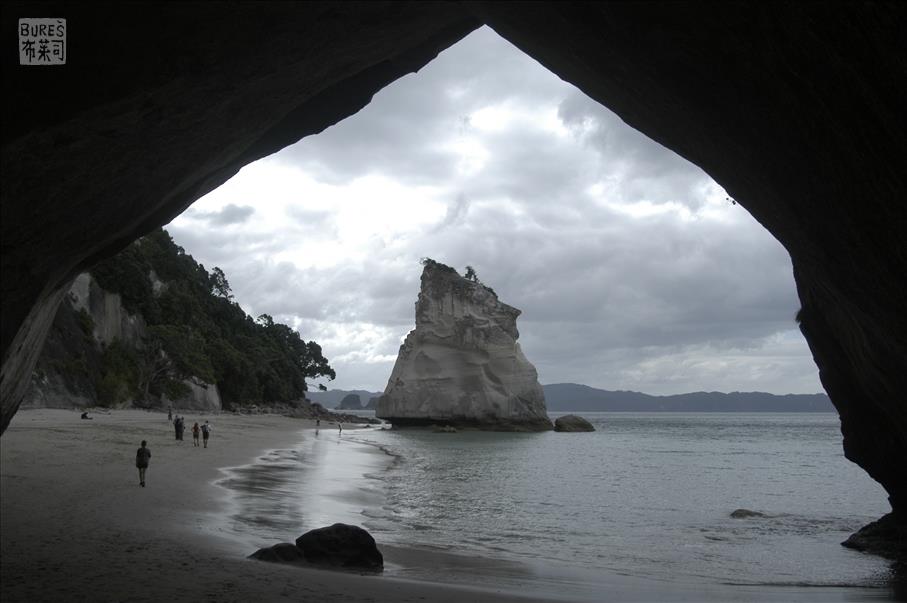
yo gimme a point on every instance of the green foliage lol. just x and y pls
(86, 322)
(219, 285)
(175, 389)
(119, 375)
(71, 366)
(196, 329)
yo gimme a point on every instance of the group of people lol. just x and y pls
(142, 455)
(179, 427)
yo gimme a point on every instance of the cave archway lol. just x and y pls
(796, 110)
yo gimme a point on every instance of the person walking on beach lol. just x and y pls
(170, 413)
(182, 427)
(206, 431)
(339, 427)
(176, 426)
(195, 430)
(142, 455)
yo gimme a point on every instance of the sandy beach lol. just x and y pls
(77, 526)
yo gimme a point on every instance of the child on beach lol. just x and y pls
(195, 431)
(142, 455)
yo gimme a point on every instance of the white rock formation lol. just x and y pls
(111, 319)
(462, 365)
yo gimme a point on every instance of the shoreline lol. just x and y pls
(77, 526)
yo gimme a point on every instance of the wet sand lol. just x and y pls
(76, 525)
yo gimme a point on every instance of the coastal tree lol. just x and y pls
(195, 328)
(219, 284)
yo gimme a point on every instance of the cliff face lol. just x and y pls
(71, 364)
(462, 364)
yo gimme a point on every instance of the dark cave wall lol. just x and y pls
(796, 109)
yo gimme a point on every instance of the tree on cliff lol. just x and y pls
(471, 274)
(196, 329)
(219, 284)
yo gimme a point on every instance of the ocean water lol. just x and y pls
(646, 497)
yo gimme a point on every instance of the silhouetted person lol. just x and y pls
(206, 431)
(195, 431)
(142, 456)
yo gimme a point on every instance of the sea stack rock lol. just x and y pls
(351, 402)
(462, 366)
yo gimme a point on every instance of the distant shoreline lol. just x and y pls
(573, 397)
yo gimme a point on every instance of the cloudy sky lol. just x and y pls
(631, 266)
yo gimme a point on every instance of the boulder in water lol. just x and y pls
(745, 514)
(569, 423)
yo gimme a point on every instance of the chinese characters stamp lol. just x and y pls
(42, 41)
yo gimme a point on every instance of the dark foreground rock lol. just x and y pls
(285, 552)
(343, 546)
(886, 537)
(570, 423)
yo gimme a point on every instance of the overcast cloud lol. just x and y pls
(632, 268)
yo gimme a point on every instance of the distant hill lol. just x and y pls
(573, 397)
(333, 398)
(561, 397)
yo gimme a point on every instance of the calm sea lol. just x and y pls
(647, 496)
